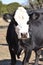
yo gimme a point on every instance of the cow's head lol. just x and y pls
(20, 17)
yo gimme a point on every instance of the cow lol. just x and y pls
(36, 33)
(17, 30)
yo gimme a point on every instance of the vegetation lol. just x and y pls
(32, 4)
(35, 4)
(12, 7)
(8, 8)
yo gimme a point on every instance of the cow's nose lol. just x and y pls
(23, 35)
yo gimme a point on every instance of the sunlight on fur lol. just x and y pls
(21, 15)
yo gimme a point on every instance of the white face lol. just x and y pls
(22, 18)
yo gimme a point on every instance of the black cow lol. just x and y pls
(36, 33)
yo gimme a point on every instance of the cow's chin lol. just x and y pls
(22, 38)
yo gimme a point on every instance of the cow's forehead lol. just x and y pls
(21, 16)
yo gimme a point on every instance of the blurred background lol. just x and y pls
(10, 5)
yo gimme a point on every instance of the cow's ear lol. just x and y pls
(35, 16)
(7, 17)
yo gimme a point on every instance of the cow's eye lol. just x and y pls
(28, 22)
(35, 16)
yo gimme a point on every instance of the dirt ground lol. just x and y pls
(4, 52)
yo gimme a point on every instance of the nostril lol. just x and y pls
(26, 33)
(23, 35)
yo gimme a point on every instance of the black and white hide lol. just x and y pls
(17, 32)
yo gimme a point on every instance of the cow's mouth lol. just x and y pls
(23, 39)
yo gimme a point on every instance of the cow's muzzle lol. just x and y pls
(24, 35)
